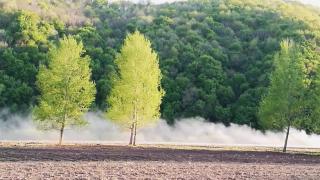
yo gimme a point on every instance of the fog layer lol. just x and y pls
(193, 131)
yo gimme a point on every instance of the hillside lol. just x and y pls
(215, 56)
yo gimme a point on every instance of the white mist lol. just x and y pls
(193, 131)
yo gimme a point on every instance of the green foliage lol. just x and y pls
(28, 31)
(65, 86)
(21, 57)
(216, 56)
(102, 64)
(100, 3)
(310, 121)
(283, 103)
(137, 93)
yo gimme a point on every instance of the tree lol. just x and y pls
(136, 95)
(65, 86)
(28, 29)
(283, 103)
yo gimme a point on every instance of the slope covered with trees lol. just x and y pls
(215, 56)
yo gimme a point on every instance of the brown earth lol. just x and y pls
(123, 162)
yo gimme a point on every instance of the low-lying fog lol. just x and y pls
(187, 131)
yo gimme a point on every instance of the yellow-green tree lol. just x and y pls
(136, 95)
(284, 104)
(65, 87)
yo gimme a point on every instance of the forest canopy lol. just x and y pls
(215, 56)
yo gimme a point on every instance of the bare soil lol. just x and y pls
(123, 162)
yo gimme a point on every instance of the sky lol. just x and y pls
(312, 2)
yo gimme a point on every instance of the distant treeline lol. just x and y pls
(215, 56)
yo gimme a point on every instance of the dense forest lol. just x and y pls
(216, 56)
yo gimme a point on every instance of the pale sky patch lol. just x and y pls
(312, 2)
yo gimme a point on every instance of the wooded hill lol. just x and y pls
(216, 56)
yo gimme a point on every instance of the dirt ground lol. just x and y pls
(123, 162)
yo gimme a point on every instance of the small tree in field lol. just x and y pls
(136, 95)
(283, 103)
(65, 87)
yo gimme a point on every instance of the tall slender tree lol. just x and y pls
(136, 95)
(65, 86)
(283, 104)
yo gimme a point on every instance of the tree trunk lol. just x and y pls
(286, 141)
(131, 134)
(134, 127)
(61, 133)
(135, 134)
(65, 113)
